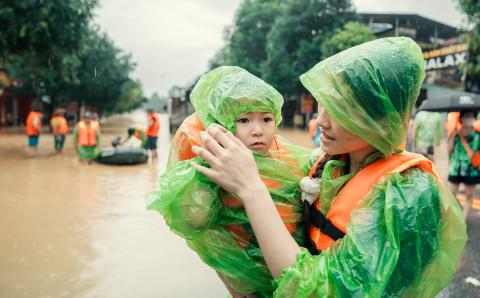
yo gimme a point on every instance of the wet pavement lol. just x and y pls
(74, 230)
(77, 230)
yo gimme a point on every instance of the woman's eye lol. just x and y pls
(242, 120)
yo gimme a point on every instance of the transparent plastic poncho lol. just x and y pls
(370, 89)
(407, 236)
(213, 222)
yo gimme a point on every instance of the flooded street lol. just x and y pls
(80, 231)
(74, 230)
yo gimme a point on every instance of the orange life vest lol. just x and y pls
(59, 125)
(187, 136)
(153, 125)
(351, 196)
(87, 134)
(286, 211)
(312, 127)
(31, 128)
(476, 125)
(453, 123)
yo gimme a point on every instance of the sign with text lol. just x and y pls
(451, 56)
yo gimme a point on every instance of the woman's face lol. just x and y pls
(335, 139)
(256, 130)
(467, 125)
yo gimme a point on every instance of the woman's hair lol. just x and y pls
(465, 114)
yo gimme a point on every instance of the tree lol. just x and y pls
(56, 50)
(295, 40)
(40, 38)
(350, 35)
(472, 9)
(253, 21)
(44, 27)
(103, 71)
(245, 41)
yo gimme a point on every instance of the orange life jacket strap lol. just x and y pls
(357, 189)
(466, 146)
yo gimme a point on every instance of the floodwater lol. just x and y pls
(77, 230)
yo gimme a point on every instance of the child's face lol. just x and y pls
(256, 130)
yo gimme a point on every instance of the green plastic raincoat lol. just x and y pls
(407, 236)
(213, 222)
(460, 164)
(428, 130)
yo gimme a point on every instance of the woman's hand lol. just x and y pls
(232, 165)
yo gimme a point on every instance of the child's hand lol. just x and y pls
(232, 165)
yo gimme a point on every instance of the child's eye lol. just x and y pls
(242, 120)
(268, 119)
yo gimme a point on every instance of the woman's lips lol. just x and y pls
(326, 138)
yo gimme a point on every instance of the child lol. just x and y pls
(213, 221)
(59, 128)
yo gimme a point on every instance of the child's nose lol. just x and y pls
(257, 128)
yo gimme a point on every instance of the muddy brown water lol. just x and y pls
(77, 230)
(74, 230)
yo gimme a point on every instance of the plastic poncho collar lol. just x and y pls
(371, 89)
(223, 94)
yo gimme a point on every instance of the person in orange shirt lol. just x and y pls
(152, 132)
(87, 138)
(314, 130)
(59, 128)
(33, 126)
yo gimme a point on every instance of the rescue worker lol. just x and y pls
(87, 139)
(382, 223)
(152, 132)
(33, 126)
(59, 126)
(314, 131)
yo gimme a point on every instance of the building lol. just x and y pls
(14, 106)
(443, 46)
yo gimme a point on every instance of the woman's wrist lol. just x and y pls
(253, 192)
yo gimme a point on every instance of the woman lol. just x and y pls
(383, 222)
(463, 143)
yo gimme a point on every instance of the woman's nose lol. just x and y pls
(323, 119)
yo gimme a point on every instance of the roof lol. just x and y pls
(425, 27)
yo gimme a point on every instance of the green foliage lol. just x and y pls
(295, 40)
(46, 27)
(55, 49)
(280, 39)
(253, 22)
(472, 9)
(350, 35)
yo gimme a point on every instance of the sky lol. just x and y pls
(172, 41)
